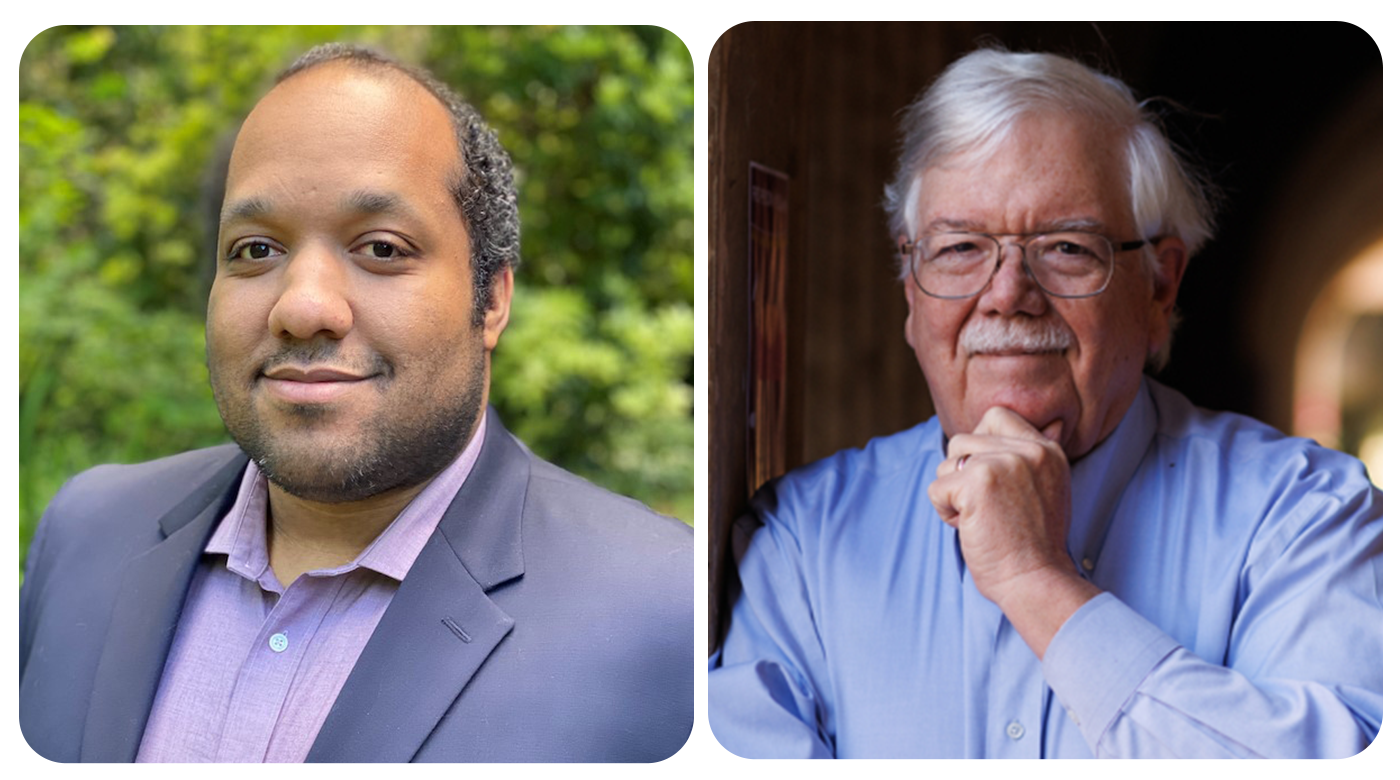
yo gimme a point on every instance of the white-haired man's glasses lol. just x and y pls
(1066, 264)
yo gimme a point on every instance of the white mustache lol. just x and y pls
(1017, 334)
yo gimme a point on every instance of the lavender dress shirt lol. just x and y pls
(254, 667)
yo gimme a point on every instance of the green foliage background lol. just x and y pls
(118, 128)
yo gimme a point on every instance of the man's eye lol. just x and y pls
(381, 250)
(1069, 248)
(959, 253)
(252, 250)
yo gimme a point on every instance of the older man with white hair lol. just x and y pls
(1070, 560)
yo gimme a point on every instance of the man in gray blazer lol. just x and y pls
(378, 570)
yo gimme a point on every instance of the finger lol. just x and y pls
(940, 494)
(961, 448)
(950, 464)
(975, 446)
(1000, 421)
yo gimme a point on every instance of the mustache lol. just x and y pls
(1016, 334)
(326, 353)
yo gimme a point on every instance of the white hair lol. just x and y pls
(975, 103)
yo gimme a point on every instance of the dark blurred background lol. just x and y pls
(1282, 311)
(121, 130)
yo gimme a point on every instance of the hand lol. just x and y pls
(1010, 502)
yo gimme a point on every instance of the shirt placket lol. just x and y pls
(1014, 728)
(265, 678)
(1006, 692)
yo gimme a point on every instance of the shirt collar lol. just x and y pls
(242, 533)
(1098, 479)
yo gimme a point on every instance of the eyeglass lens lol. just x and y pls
(1070, 264)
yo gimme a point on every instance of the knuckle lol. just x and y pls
(1038, 454)
(995, 417)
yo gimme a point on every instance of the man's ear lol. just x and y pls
(498, 312)
(1166, 283)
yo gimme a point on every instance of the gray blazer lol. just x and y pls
(576, 605)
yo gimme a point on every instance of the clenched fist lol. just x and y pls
(1006, 488)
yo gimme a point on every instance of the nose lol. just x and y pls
(314, 299)
(1012, 290)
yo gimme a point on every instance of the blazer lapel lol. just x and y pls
(149, 600)
(441, 625)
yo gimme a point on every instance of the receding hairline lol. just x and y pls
(372, 64)
(365, 66)
(379, 71)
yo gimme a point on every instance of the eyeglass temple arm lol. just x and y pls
(1128, 246)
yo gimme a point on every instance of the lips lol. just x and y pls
(320, 374)
(311, 385)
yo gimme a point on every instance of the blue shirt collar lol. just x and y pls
(1098, 480)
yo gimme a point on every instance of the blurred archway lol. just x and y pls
(1338, 372)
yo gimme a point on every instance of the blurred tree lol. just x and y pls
(117, 124)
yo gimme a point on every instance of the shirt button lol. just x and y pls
(1015, 730)
(1072, 716)
(278, 642)
(1088, 564)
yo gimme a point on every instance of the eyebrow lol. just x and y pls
(361, 201)
(1088, 224)
(370, 202)
(248, 208)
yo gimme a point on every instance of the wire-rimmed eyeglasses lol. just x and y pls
(1065, 263)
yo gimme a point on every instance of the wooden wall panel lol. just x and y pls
(860, 380)
(756, 114)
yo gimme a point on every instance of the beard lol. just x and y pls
(417, 435)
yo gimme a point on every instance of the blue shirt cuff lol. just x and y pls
(1099, 658)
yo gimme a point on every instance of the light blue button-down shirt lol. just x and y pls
(1241, 613)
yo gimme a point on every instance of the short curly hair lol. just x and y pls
(486, 192)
